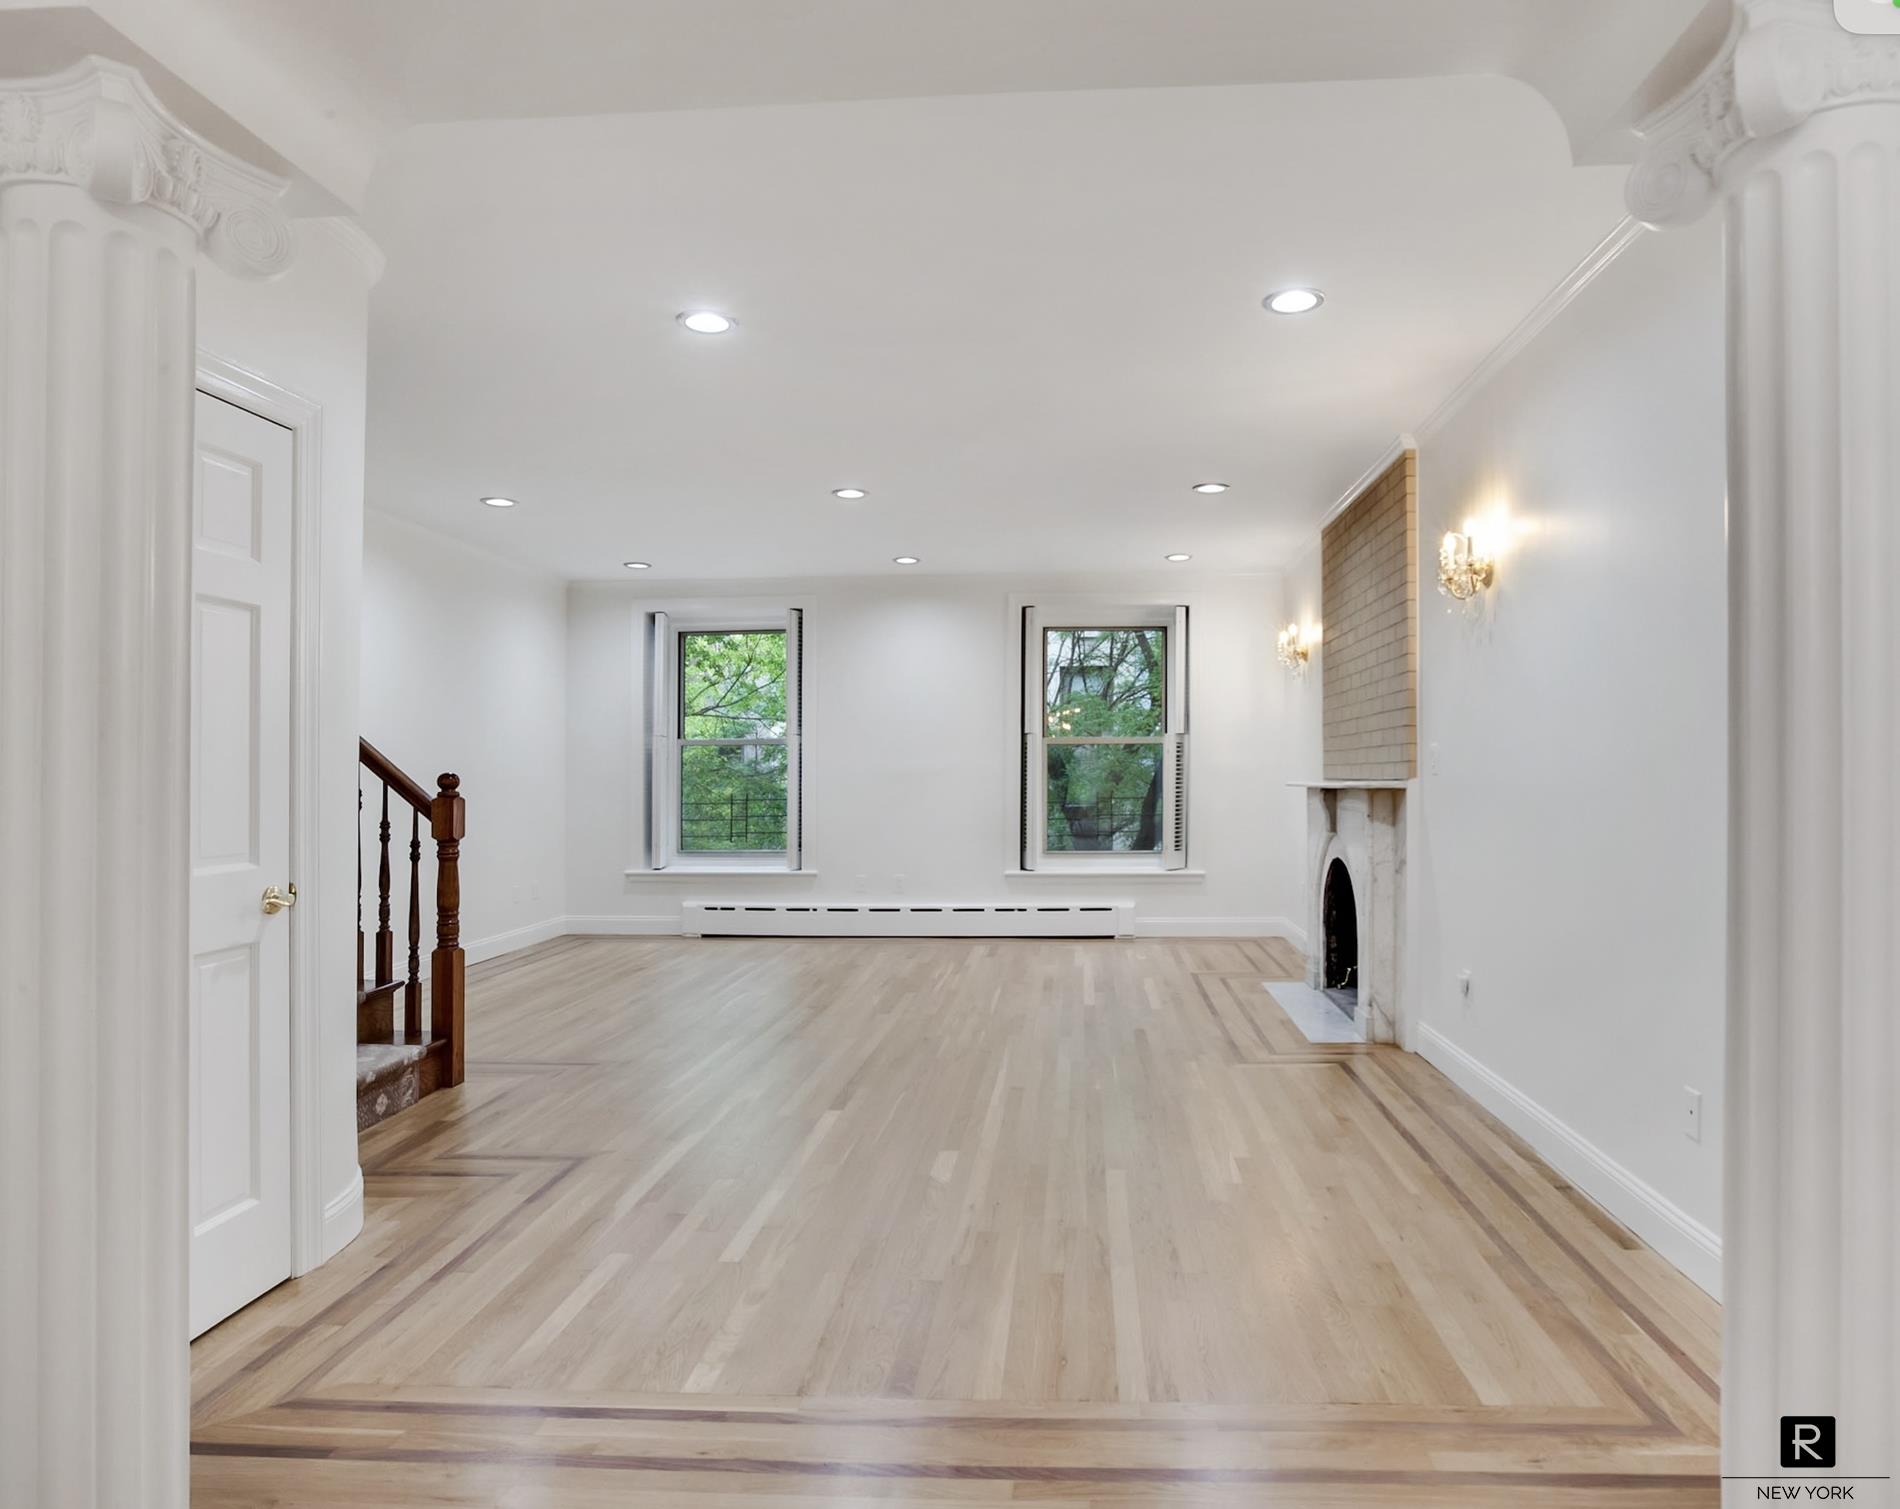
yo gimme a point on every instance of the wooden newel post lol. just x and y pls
(447, 822)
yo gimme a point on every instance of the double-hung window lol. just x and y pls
(1104, 762)
(725, 743)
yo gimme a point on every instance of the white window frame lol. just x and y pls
(1034, 619)
(664, 747)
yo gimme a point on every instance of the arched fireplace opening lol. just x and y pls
(1341, 920)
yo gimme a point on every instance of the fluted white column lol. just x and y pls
(1797, 129)
(105, 202)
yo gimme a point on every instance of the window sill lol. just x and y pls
(671, 871)
(1118, 872)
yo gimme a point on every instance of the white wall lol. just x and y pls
(1569, 849)
(1305, 724)
(308, 332)
(464, 670)
(913, 685)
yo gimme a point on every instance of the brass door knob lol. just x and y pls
(276, 901)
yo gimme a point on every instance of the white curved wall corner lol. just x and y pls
(342, 1218)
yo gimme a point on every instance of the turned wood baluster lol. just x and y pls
(359, 880)
(385, 939)
(412, 989)
(448, 820)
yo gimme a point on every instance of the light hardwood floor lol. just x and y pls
(935, 1222)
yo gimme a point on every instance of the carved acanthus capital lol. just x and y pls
(1784, 62)
(99, 127)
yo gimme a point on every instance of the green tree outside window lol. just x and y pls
(733, 761)
(1104, 717)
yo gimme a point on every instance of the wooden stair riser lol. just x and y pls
(376, 1013)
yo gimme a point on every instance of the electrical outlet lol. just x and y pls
(897, 884)
(1464, 985)
(1691, 1113)
(1434, 763)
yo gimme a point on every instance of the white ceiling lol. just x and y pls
(1027, 323)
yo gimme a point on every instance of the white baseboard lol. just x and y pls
(617, 925)
(622, 927)
(1041, 918)
(483, 949)
(342, 1218)
(1218, 927)
(1667, 1227)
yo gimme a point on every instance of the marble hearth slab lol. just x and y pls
(1314, 1013)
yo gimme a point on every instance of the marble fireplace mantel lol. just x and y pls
(1361, 824)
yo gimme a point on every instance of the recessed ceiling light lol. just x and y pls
(706, 321)
(499, 502)
(638, 565)
(848, 492)
(1210, 487)
(1180, 558)
(905, 560)
(1294, 300)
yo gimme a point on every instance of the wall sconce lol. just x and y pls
(1465, 568)
(1296, 647)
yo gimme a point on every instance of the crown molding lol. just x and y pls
(1500, 356)
(1541, 317)
(402, 524)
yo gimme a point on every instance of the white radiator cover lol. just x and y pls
(909, 919)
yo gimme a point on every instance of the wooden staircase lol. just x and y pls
(399, 1059)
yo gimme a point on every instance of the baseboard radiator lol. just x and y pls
(909, 919)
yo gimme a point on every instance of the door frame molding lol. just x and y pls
(303, 417)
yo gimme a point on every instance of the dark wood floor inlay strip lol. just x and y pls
(968, 1471)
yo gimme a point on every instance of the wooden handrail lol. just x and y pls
(447, 817)
(390, 774)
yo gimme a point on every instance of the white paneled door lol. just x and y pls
(240, 860)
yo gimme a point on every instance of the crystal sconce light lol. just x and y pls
(1296, 648)
(1465, 568)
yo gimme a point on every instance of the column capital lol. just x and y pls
(1784, 61)
(98, 127)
